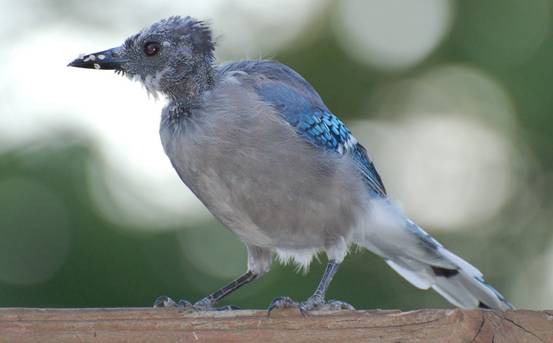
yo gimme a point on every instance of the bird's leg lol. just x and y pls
(317, 300)
(206, 304)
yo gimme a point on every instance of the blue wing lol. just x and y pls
(303, 108)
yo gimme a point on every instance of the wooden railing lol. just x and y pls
(289, 326)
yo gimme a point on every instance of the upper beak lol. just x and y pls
(108, 59)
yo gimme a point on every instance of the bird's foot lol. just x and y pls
(318, 303)
(282, 303)
(314, 303)
(207, 305)
(200, 306)
(165, 301)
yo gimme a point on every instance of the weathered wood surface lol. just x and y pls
(172, 325)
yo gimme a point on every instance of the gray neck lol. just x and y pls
(186, 96)
(187, 92)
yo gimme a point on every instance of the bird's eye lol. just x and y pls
(151, 48)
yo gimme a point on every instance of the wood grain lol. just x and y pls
(172, 325)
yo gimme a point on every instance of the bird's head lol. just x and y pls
(173, 56)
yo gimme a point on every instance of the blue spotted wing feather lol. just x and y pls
(326, 130)
(302, 107)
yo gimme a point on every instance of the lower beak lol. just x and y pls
(108, 59)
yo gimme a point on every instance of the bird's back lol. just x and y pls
(277, 82)
(296, 101)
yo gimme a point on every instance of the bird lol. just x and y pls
(256, 144)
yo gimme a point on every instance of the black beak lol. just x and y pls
(108, 59)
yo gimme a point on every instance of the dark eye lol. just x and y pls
(151, 48)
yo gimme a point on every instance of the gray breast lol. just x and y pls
(258, 177)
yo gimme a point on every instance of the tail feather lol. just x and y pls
(414, 277)
(469, 288)
(424, 262)
(461, 287)
(467, 291)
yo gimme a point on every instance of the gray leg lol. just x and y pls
(206, 304)
(259, 261)
(317, 300)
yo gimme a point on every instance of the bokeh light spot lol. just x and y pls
(445, 152)
(392, 34)
(446, 171)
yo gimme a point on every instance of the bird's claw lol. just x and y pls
(165, 301)
(314, 303)
(200, 306)
(206, 305)
(319, 304)
(282, 303)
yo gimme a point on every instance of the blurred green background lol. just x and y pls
(451, 98)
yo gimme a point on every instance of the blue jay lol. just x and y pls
(256, 144)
